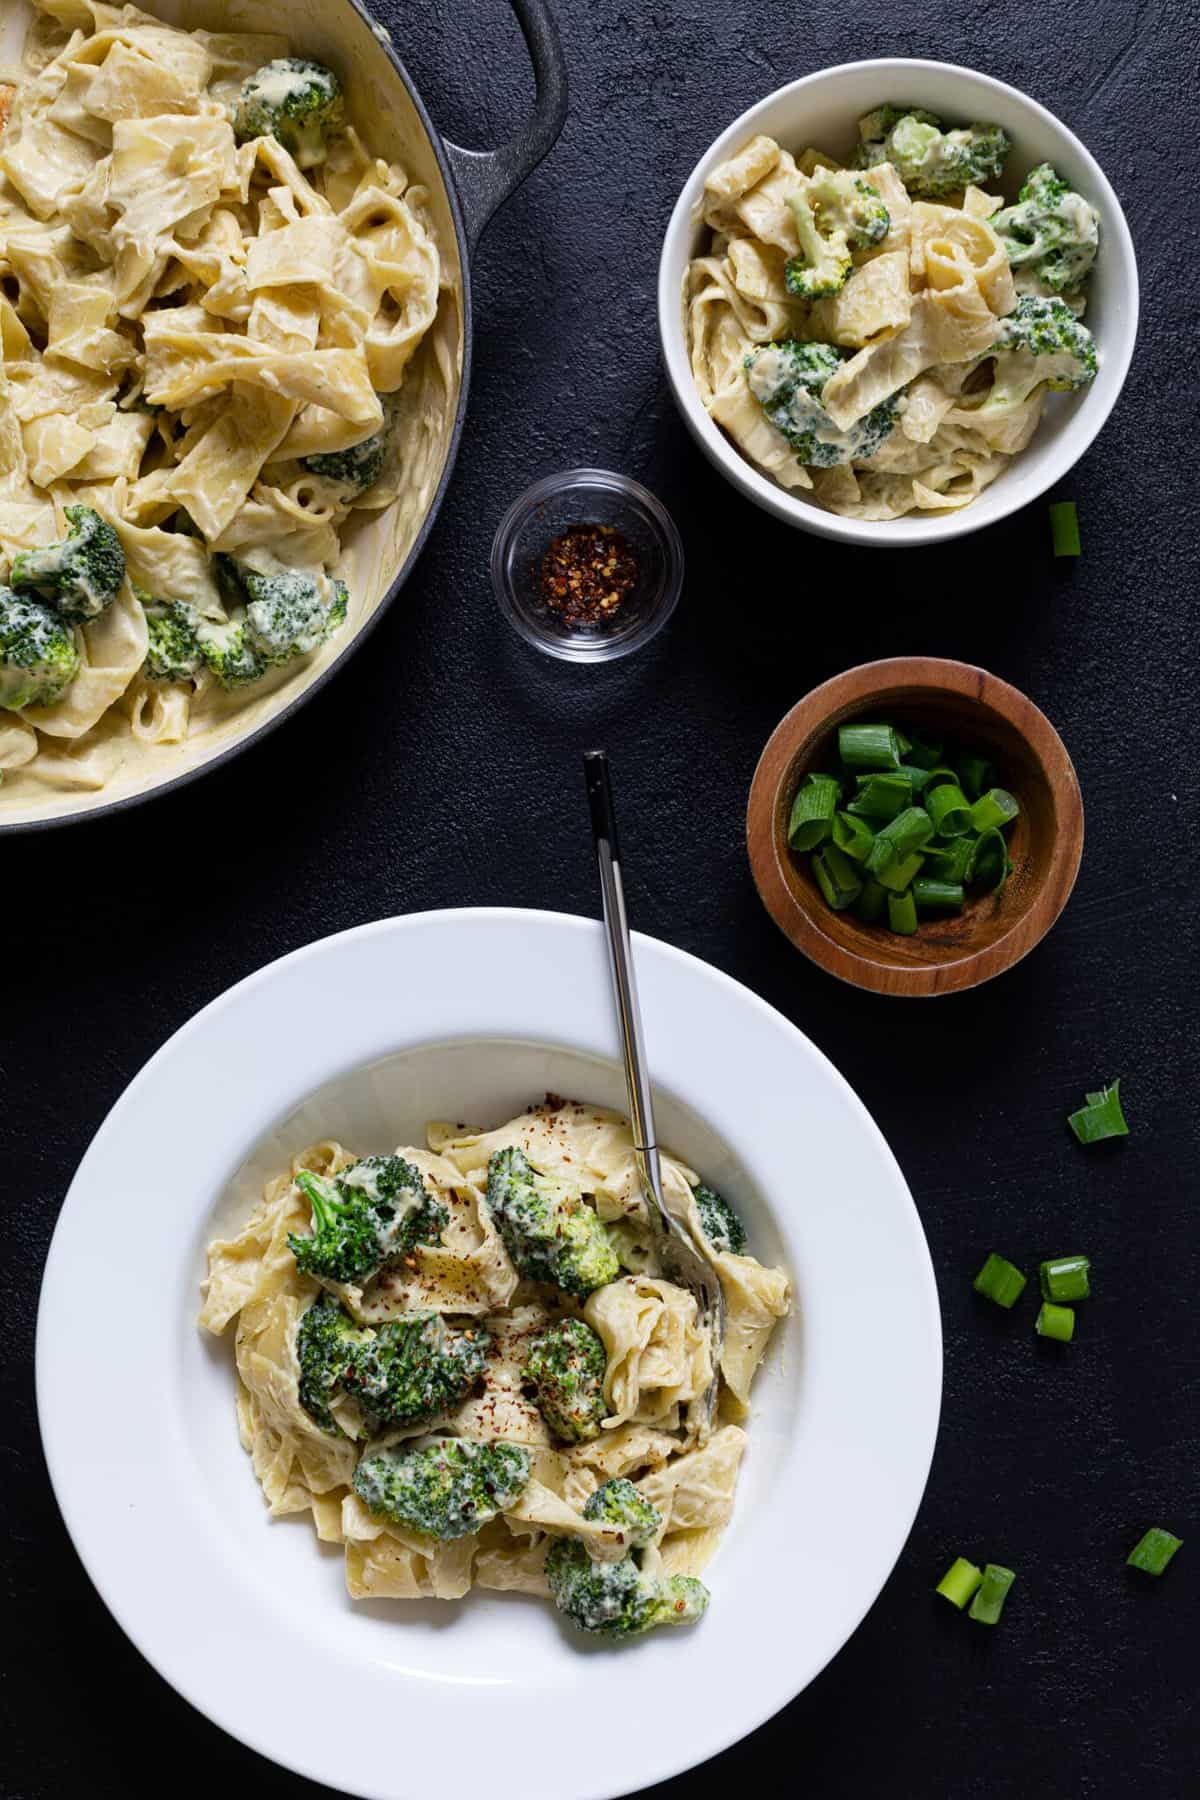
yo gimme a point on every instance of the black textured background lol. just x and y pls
(442, 769)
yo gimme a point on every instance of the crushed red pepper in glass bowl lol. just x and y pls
(587, 565)
(587, 574)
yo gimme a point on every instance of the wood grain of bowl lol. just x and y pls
(993, 931)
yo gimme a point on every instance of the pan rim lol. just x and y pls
(160, 790)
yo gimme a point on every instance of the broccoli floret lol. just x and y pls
(288, 612)
(406, 1212)
(297, 102)
(720, 1224)
(619, 1504)
(929, 161)
(364, 1217)
(343, 1244)
(173, 651)
(549, 1231)
(1051, 235)
(228, 650)
(291, 613)
(566, 1365)
(447, 1488)
(401, 1373)
(274, 617)
(845, 202)
(415, 1368)
(81, 574)
(1042, 341)
(359, 467)
(38, 657)
(874, 127)
(616, 1598)
(823, 264)
(787, 379)
(836, 213)
(327, 1341)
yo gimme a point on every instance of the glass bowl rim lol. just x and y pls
(661, 526)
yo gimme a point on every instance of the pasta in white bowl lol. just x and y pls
(231, 351)
(860, 314)
(502, 1391)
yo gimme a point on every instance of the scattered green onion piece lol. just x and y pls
(950, 861)
(871, 902)
(882, 796)
(903, 743)
(908, 831)
(996, 808)
(812, 811)
(837, 877)
(959, 1582)
(899, 875)
(1000, 1280)
(989, 1600)
(852, 836)
(1153, 1552)
(1064, 528)
(923, 750)
(868, 747)
(1056, 1322)
(902, 913)
(989, 863)
(915, 776)
(939, 775)
(1065, 1278)
(975, 773)
(947, 806)
(932, 895)
(1101, 1117)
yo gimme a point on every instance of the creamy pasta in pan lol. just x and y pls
(883, 337)
(464, 1362)
(212, 299)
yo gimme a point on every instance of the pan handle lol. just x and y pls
(486, 178)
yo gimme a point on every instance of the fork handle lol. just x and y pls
(620, 951)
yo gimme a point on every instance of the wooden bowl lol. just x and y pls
(993, 931)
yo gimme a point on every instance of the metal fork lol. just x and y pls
(678, 1257)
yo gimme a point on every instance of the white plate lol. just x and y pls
(473, 1014)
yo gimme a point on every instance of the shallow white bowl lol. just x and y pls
(472, 1015)
(824, 109)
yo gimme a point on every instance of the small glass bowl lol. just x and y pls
(587, 497)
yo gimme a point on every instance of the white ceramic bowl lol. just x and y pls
(823, 109)
(471, 1015)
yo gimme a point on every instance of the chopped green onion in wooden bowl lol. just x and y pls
(888, 735)
(903, 826)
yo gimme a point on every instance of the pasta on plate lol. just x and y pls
(214, 301)
(883, 337)
(463, 1362)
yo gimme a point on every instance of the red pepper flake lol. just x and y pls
(587, 574)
